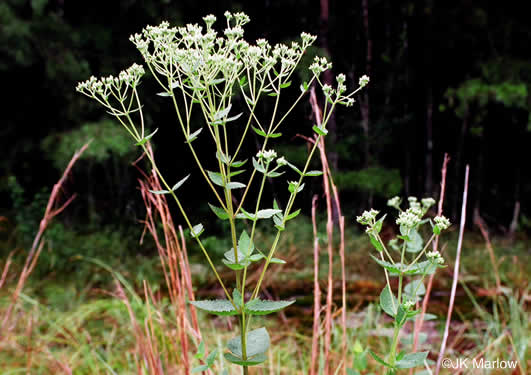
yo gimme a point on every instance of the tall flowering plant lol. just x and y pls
(200, 70)
(412, 260)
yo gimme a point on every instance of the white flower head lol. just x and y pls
(327, 90)
(364, 80)
(413, 202)
(282, 161)
(368, 217)
(341, 87)
(209, 20)
(435, 257)
(320, 64)
(349, 102)
(267, 155)
(409, 218)
(394, 202)
(307, 39)
(442, 222)
(427, 203)
(409, 304)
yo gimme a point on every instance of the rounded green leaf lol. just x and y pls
(388, 302)
(258, 342)
(412, 360)
(415, 243)
(257, 359)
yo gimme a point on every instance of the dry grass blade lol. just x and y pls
(50, 212)
(456, 274)
(420, 321)
(316, 332)
(333, 209)
(6, 269)
(484, 232)
(175, 265)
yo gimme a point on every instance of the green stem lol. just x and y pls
(421, 253)
(286, 213)
(181, 209)
(394, 345)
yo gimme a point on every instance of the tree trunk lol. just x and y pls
(480, 173)
(328, 77)
(428, 162)
(365, 107)
(407, 150)
(458, 163)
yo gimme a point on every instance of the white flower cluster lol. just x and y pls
(427, 203)
(409, 304)
(394, 202)
(413, 202)
(102, 88)
(337, 94)
(368, 217)
(307, 39)
(267, 155)
(364, 80)
(320, 64)
(281, 161)
(435, 257)
(442, 222)
(410, 218)
(341, 88)
(190, 51)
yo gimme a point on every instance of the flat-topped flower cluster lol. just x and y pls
(193, 57)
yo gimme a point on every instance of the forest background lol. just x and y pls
(445, 77)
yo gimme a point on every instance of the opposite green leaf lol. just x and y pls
(223, 113)
(259, 167)
(261, 307)
(192, 137)
(158, 192)
(415, 288)
(259, 131)
(199, 368)
(388, 302)
(196, 230)
(319, 130)
(200, 350)
(238, 164)
(258, 342)
(267, 213)
(412, 360)
(245, 246)
(415, 243)
(313, 173)
(146, 138)
(379, 359)
(285, 85)
(221, 307)
(376, 243)
(179, 184)
(220, 212)
(235, 185)
(257, 359)
(211, 358)
(216, 178)
(293, 215)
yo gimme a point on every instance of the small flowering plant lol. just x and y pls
(202, 71)
(405, 256)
